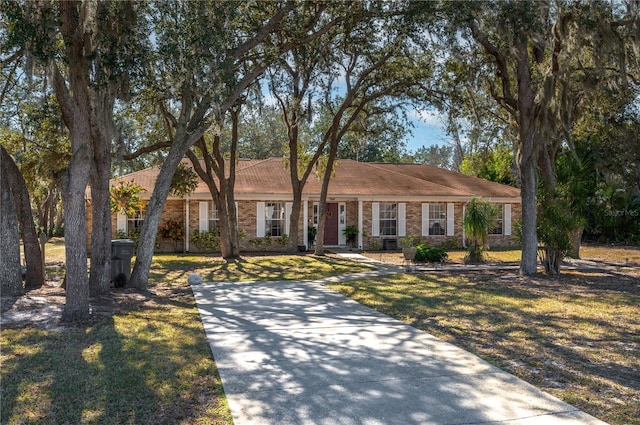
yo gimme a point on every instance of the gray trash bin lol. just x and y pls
(121, 252)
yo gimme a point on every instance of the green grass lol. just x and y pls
(454, 256)
(251, 268)
(148, 363)
(145, 359)
(576, 337)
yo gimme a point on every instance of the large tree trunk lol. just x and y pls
(75, 218)
(32, 253)
(10, 273)
(100, 270)
(102, 136)
(333, 152)
(229, 238)
(75, 104)
(149, 231)
(294, 220)
(576, 240)
(527, 163)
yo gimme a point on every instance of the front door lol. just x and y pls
(331, 225)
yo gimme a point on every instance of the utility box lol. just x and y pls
(389, 244)
(121, 252)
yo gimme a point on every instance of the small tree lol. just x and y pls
(556, 222)
(125, 199)
(479, 218)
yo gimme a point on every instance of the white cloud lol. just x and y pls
(429, 117)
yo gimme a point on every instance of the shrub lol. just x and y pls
(433, 254)
(350, 233)
(209, 241)
(173, 230)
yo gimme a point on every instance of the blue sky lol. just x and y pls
(429, 129)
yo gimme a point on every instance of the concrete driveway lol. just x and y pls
(299, 353)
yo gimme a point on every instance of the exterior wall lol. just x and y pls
(414, 227)
(502, 241)
(175, 210)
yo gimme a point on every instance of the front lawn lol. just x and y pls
(176, 267)
(575, 337)
(142, 359)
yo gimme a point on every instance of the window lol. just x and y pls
(316, 208)
(134, 222)
(388, 219)
(212, 217)
(437, 219)
(498, 229)
(274, 219)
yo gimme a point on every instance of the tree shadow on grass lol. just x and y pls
(575, 335)
(75, 375)
(146, 364)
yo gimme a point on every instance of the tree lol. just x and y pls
(10, 273)
(479, 218)
(542, 60)
(32, 253)
(262, 134)
(35, 137)
(382, 70)
(89, 37)
(295, 80)
(436, 155)
(206, 56)
(494, 164)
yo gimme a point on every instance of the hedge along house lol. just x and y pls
(384, 202)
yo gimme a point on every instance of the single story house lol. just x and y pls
(385, 202)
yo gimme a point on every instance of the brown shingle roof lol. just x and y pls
(351, 178)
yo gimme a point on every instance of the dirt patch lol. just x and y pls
(42, 308)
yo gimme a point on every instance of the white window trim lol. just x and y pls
(342, 222)
(506, 219)
(425, 219)
(401, 229)
(375, 219)
(203, 216)
(450, 219)
(260, 219)
(427, 222)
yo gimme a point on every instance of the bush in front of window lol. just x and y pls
(209, 241)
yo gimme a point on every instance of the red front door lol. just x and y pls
(331, 225)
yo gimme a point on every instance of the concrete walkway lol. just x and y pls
(299, 353)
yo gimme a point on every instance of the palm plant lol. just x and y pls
(479, 218)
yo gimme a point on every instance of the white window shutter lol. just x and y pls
(260, 222)
(121, 222)
(425, 219)
(507, 219)
(402, 219)
(203, 217)
(450, 220)
(375, 219)
(287, 216)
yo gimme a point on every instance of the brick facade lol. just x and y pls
(176, 209)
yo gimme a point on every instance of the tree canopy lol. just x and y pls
(533, 94)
